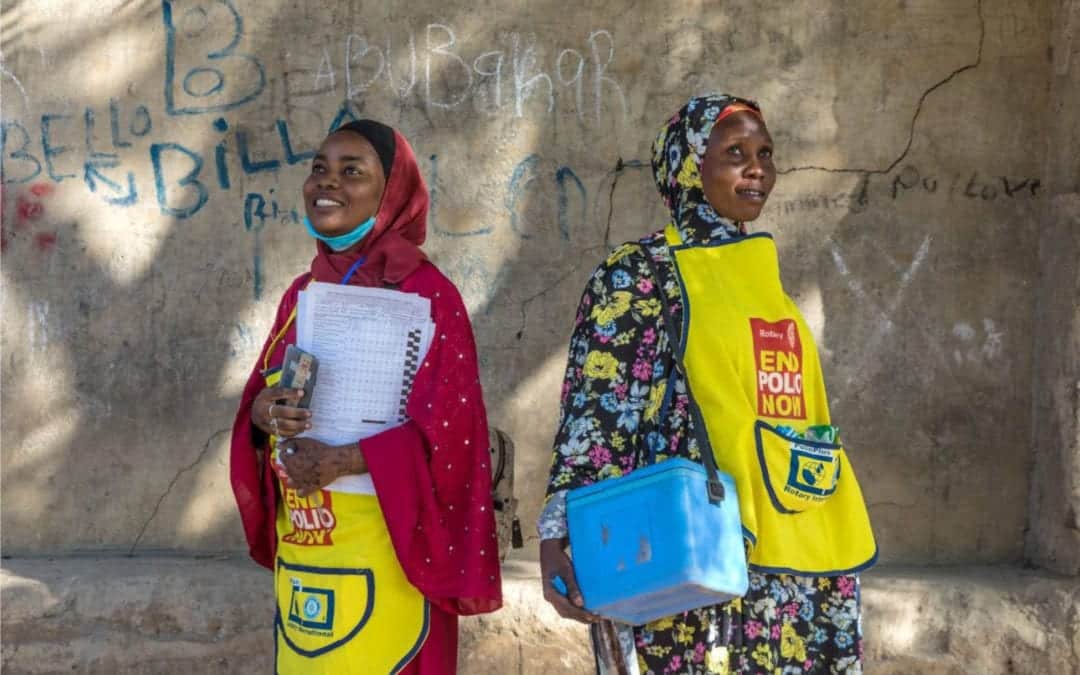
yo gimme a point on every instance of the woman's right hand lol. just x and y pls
(284, 420)
(555, 563)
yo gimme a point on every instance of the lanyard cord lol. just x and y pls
(352, 270)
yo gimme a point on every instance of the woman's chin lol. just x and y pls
(328, 229)
(750, 216)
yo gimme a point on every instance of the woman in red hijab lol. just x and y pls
(371, 580)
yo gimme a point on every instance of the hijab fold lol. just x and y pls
(432, 474)
(678, 153)
(391, 251)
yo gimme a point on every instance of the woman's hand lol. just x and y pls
(555, 563)
(283, 420)
(312, 465)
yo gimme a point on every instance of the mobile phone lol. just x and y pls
(300, 371)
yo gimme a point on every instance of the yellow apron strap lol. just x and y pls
(281, 334)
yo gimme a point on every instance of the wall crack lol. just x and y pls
(621, 165)
(611, 201)
(915, 116)
(524, 305)
(168, 489)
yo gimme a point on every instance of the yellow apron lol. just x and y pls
(752, 366)
(344, 605)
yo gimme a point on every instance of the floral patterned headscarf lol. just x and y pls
(676, 163)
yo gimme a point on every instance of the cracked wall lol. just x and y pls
(153, 154)
(1053, 536)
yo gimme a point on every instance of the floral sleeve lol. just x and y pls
(615, 377)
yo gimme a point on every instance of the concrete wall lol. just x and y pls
(152, 161)
(1054, 535)
(157, 615)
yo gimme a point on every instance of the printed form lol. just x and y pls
(370, 343)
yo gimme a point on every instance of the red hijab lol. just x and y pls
(436, 461)
(391, 251)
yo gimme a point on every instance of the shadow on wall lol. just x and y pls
(140, 221)
(924, 271)
(149, 228)
(107, 291)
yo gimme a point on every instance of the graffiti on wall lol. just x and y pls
(28, 224)
(122, 153)
(434, 67)
(911, 181)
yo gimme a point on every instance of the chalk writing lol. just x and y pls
(241, 340)
(970, 350)
(564, 179)
(38, 327)
(884, 309)
(119, 151)
(27, 209)
(522, 77)
(258, 210)
(15, 145)
(195, 196)
(910, 180)
(525, 175)
(971, 186)
(204, 88)
(97, 161)
(433, 219)
(11, 76)
(179, 184)
(818, 201)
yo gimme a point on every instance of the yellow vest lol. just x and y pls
(752, 366)
(344, 605)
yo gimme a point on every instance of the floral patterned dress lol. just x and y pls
(622, 403)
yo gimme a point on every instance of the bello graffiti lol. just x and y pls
(207, 72)
(125, 153)
(182, 176)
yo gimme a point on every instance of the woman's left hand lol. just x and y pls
(312, 465)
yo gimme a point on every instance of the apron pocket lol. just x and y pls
(799, 475)
(322, 608)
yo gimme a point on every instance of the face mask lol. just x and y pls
(342, 241)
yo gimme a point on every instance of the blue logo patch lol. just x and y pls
(813, 471)
(312, 608)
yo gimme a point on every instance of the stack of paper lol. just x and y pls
(370, 342)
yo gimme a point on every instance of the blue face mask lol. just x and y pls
(342, 241)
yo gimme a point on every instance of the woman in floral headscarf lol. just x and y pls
(625, 404)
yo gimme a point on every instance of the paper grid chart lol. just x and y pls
(370, 343)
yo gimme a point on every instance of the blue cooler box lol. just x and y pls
(652, 544)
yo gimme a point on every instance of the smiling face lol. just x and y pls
(737, 172)
(345, 186)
